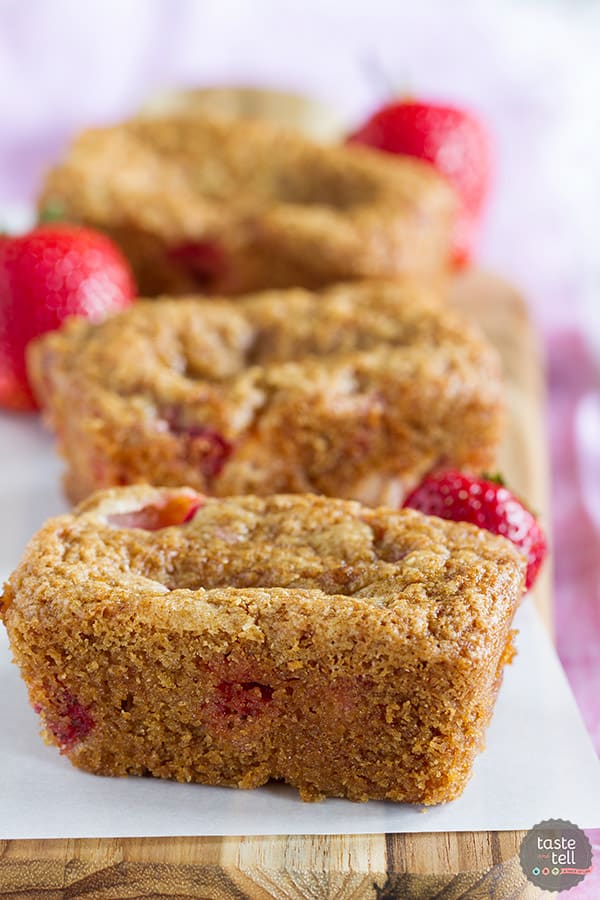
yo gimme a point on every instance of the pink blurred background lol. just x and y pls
(531, 69)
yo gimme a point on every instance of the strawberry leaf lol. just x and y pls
(494, 477)
(52, 212)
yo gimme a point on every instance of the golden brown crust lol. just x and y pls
(354, 392)
(348, 651)
(267, 207)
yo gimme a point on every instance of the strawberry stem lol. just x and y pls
(494, 477)
(378, 74)
(52, 212)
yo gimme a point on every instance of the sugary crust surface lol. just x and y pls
(355, 392)
(234, 206)
(349, 651)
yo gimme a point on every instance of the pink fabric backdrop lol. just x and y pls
(531, 69)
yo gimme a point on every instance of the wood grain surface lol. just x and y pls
(463, 866)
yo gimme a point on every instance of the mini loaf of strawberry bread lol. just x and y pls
(356, 392)
(234, 206)
(349, 651)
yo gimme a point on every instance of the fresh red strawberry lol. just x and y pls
(462, 498)
(52, 272)
(453, 140)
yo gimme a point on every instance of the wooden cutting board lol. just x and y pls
(450, 865)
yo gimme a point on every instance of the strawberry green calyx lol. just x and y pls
(53, 211)
(495, 478)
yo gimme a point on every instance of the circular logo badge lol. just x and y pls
(555, 855)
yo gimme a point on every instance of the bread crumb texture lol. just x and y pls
(355, 392)
(205, 204)
(348, 651)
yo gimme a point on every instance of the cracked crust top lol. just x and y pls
(438, 584)
(277, 392)
(268, 206)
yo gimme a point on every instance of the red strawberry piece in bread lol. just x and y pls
(175, 509)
